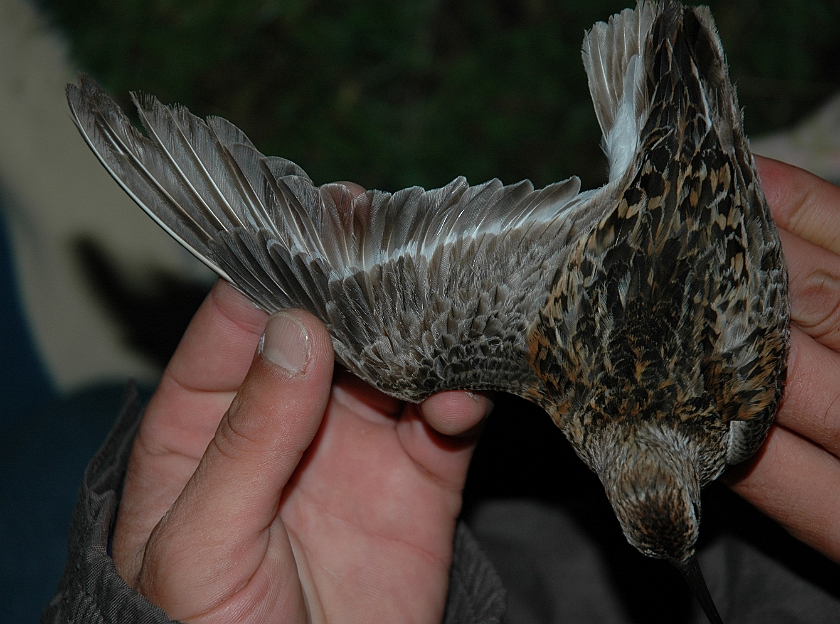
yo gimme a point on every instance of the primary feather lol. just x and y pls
(399, 279)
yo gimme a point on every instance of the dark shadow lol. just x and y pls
(152, 319)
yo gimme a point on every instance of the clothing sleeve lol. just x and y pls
(91, 591)
(476, 594)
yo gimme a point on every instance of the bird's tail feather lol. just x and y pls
(608, 52)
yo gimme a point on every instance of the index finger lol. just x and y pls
(801, 202)
(194, 393)
(204, 374)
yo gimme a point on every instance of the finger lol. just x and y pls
(814, 289)
(349, 198)
(811, 403)
(204, 373)
(355, 189)
(440, 434)
(365, 400)
(797, 483)
(802, 203)
(457, 412)
(233, 498)
(196, 389)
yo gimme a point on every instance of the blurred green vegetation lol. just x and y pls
(392, 94)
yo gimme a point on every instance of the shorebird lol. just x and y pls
(648, 317)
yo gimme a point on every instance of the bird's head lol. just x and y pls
(627, 388)
(650, 477)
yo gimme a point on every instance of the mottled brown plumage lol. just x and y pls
(648, 317)
(669, 323)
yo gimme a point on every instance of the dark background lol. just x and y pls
(393, 94)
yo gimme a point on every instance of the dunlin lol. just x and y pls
(648, 317)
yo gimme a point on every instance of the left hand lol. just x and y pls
(258, 492)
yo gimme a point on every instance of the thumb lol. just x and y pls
(219, 531)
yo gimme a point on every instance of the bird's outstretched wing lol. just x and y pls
(421, 290)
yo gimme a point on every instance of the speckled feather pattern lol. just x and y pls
(678, 298)
(672, 312)
(649, 317)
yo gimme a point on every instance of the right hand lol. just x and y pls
(795, 476)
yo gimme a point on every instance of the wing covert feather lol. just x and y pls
(434, 285)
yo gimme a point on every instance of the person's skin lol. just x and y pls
(307, 499)
(795, 477)
(259, 491)
(261, 488)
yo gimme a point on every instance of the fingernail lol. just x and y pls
(285, 343)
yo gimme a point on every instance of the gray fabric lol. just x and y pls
(555, 572)
(551, 571)
(91, 591)
(476, 593)
(755, 588)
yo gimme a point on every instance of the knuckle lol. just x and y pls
(815, 305)
(235, 439)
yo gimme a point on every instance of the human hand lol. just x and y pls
(256, 493)
(795, 477)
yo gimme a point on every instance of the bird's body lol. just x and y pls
(648, 317)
